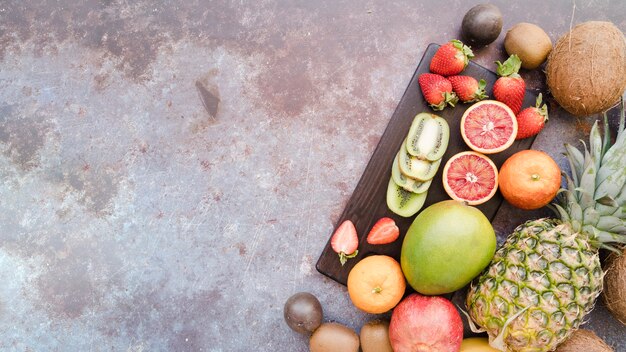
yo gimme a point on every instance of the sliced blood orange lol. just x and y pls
(470, 177)
(489, 127)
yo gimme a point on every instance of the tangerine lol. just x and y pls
(376, 284)
(529, 179)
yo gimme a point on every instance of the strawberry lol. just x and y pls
(384, 231)
(451, 58)
(510, 87)
(345, 241)
(531, 120)
(437, 91)
(467, 88)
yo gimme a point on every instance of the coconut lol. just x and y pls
(615, 285)
(584, 340)
(586, 69)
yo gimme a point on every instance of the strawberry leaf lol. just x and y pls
(467, 51)
(510, 67)
(343, 257)
(480, 92)
(541, 110)
(450, 98)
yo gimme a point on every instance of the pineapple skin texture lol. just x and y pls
(547, 275)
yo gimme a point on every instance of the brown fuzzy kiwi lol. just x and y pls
(615, 285)
(529, 42)
(584, 340)
(586, 69)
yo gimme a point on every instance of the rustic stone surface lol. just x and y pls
(170, 172)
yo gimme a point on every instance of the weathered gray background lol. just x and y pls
(170, 171)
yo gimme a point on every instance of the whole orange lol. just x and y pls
(376, 284)
(529, 179)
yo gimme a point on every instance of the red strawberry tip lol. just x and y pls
(510, 67)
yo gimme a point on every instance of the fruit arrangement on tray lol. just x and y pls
(532, 293)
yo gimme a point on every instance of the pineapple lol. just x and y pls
(547, 275)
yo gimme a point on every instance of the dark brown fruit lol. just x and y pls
(482, 24)
(303, 312)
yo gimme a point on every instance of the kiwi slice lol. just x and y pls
(428, 137)
(416, 168)
(409, 184)
(403, 202)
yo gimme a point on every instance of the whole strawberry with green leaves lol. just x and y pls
(451, 58)
(510, 87)
(437, 91)
(531, 120)
(468, 89)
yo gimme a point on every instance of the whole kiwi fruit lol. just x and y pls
(529, 42)
(334, 337)
(375, 336)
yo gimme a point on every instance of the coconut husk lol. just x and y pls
(584, 341)
(614, 293)
(586, 69)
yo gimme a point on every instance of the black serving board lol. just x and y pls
(368, 201)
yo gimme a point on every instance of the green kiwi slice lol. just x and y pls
(428, 137)
(409, 184)
(403, 202)
(416, 168)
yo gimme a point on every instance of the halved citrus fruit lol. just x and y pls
(376, 284)
(489, 127)
(470, 177)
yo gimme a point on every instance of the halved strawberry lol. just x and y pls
(384, 231)
(345, 241)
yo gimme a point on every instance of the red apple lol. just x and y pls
(425, 324)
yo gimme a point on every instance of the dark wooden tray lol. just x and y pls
(368, 201)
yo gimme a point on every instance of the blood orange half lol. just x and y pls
(489, 127)
(470, 177)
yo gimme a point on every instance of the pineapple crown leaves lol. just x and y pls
(594, 200)
(510, 67)
(466, 51)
